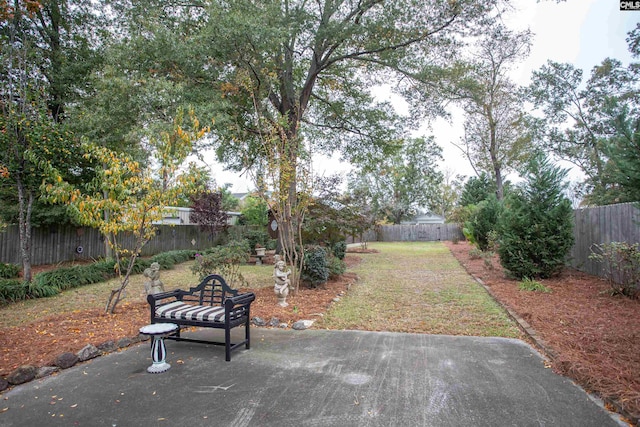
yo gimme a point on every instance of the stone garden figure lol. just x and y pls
(281, 287)
(153, 285)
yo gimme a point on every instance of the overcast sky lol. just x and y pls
(580, 32)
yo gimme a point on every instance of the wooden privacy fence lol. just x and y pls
(419, 233)
(411, 233)
(602, 224)
(51, 245)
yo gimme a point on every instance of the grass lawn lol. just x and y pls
(96, 295)
(406, 287)
(418, 287)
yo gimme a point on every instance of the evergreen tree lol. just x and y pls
(536, 226)
(476, 189)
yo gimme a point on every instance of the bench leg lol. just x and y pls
(227, 344)
(247, 335)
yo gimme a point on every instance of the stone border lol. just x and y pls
(26, 373)
(522, 324)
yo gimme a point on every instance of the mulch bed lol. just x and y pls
(589, 335)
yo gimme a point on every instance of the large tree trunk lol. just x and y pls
(290, 215)
(25, 204)
(108, 251)
(493, 153)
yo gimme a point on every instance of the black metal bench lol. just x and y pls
(211, 304)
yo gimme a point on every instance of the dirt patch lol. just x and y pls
(588, 334)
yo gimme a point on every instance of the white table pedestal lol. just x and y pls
(158, 331)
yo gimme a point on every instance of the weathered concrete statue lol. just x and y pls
(153, 285)
(281, 278)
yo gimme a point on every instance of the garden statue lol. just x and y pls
(281, 287)
(153, 285)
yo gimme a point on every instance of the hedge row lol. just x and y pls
(53, 282)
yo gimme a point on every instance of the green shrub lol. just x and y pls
(486, 256)
(168, 260)
(488, 260)
(256, 237)
(461, 214)
(336, 266)
(475, 253)
(9, 271)
(483, 222)
(50, 283)
(61, 278)
(223, 260)
(621, 264)
(272, 244)
(316, 269)
(531, 285)
(139, 266)
(536, 224)
(12, 290)
(493, 240)
(340, 250)
(105, 267)
(73, 277)
(41, 291)
(464, 216)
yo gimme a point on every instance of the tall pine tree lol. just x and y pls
(536, 226)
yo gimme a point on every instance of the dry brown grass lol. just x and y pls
(418, 287)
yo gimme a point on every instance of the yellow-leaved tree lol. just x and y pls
(126, 198)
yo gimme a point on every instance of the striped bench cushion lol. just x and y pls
(181, 310)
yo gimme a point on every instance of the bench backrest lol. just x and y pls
(213, 290)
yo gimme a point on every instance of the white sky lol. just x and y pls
(580, 32)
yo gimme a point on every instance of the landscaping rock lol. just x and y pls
(89, 351)
(283, 325)
(4, 384)
(23, 374)
(107, 347)
(45, 371)
(259, 321)
(301, 325)
(66, 360)
(124, 342)
(274, 322)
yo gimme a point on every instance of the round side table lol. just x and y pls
(158, 331)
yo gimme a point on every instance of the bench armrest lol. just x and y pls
(161, 298)
(176, 293)
(238, 306)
